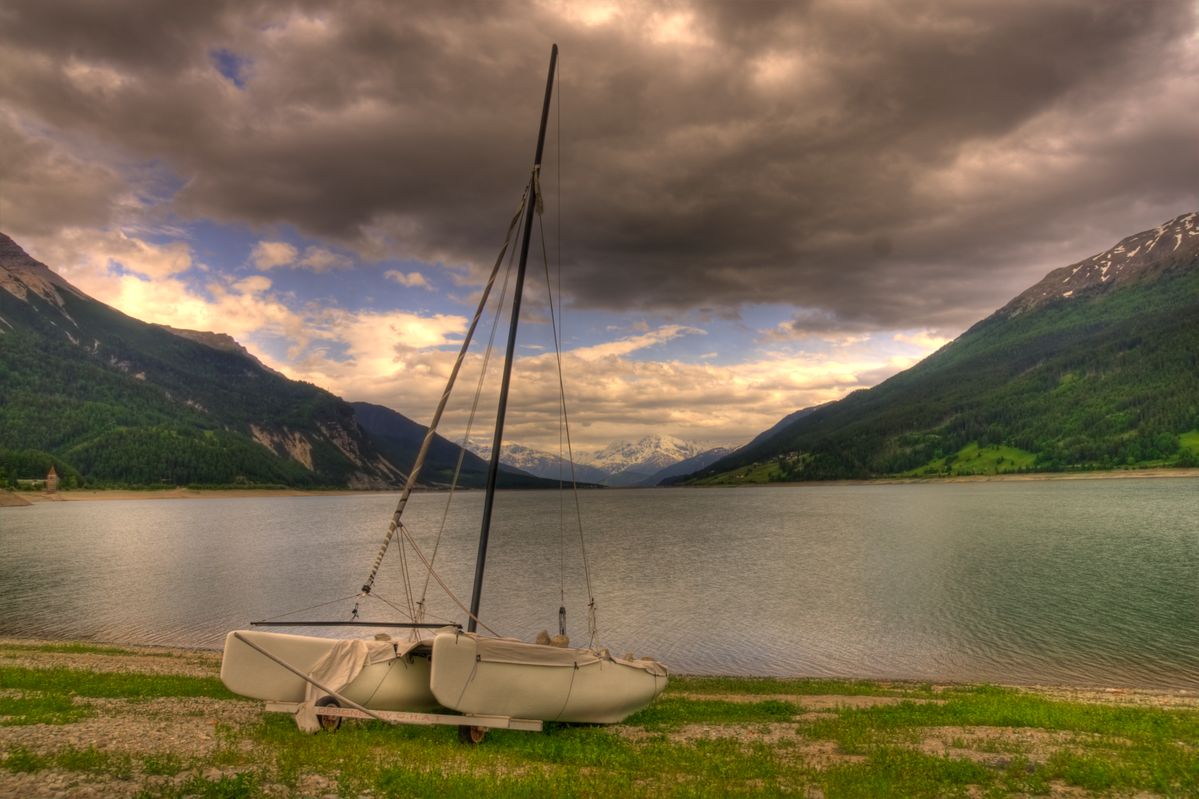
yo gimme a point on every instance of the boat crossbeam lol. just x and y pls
(424, 719)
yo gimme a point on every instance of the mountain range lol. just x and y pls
(113, 400)
(399, 438)
(1094, 367)
(620, 464)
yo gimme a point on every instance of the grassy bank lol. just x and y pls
(769, 473)
(80, 720)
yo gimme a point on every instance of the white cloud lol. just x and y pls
(270, 254)
(281, 255)
(319, 259)
(926, 340)
(83, 252)
(624, 346)
(149, 260)
(255, 284)
(410, 279)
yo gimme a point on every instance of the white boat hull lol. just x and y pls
(400, 683)
(503, 677)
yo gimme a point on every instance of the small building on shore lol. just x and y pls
(51, 481)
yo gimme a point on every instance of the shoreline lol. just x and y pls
(1113, 474)
(1098, 692)
(101, 494)
(20, 498)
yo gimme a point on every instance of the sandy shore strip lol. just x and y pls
(8, 499)
(90, 495)
(95, 495)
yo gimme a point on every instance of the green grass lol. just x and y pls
(1126, 748)
(754, 474)
(798, 687)
(670, 713)
(89, 760)
(36, 707)
(891, 771)
(21, 760)
(111, 685)
(70, 648)
(229, 786)
(1190, 442)
(975, 460)
(988, 706)
(693, 742)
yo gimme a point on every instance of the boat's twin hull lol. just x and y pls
(401, 683)
(509, 678)
(472, 675)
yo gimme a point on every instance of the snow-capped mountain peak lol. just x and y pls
(1133, 258)
(652, 452)
(619, 463)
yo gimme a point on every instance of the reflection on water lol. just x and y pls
(1087, 582)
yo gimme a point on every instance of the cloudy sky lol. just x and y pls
(758, 206)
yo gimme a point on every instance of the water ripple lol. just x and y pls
(1088, 582)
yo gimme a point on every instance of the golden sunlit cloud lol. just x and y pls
(319, 259)
(270, 254)
(409, 279)
(631, 344)
(926, 340)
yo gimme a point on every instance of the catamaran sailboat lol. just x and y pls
(487, 681)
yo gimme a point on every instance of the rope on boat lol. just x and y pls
(410, 484)
(470, 423)
(306, 678)
(314, 607)
(574, 485)
(453, 597)
(392, 605)
(417, 607)
(407, 582)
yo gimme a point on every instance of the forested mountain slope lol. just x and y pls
(113, 399)
(1096, 366)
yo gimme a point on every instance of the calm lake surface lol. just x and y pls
(1092, 582)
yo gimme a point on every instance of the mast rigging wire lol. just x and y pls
(417, 607)
(469, 425)
(410, 484)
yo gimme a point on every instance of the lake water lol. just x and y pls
(1077, 582)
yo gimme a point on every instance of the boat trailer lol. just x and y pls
(333, 707)
(330, 714)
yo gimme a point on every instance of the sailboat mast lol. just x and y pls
(493, 467)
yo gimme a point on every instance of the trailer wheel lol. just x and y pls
(471, 735)
(328, 723)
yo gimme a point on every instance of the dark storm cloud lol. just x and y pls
(888, 165)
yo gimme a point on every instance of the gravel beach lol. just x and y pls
(118, 746)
